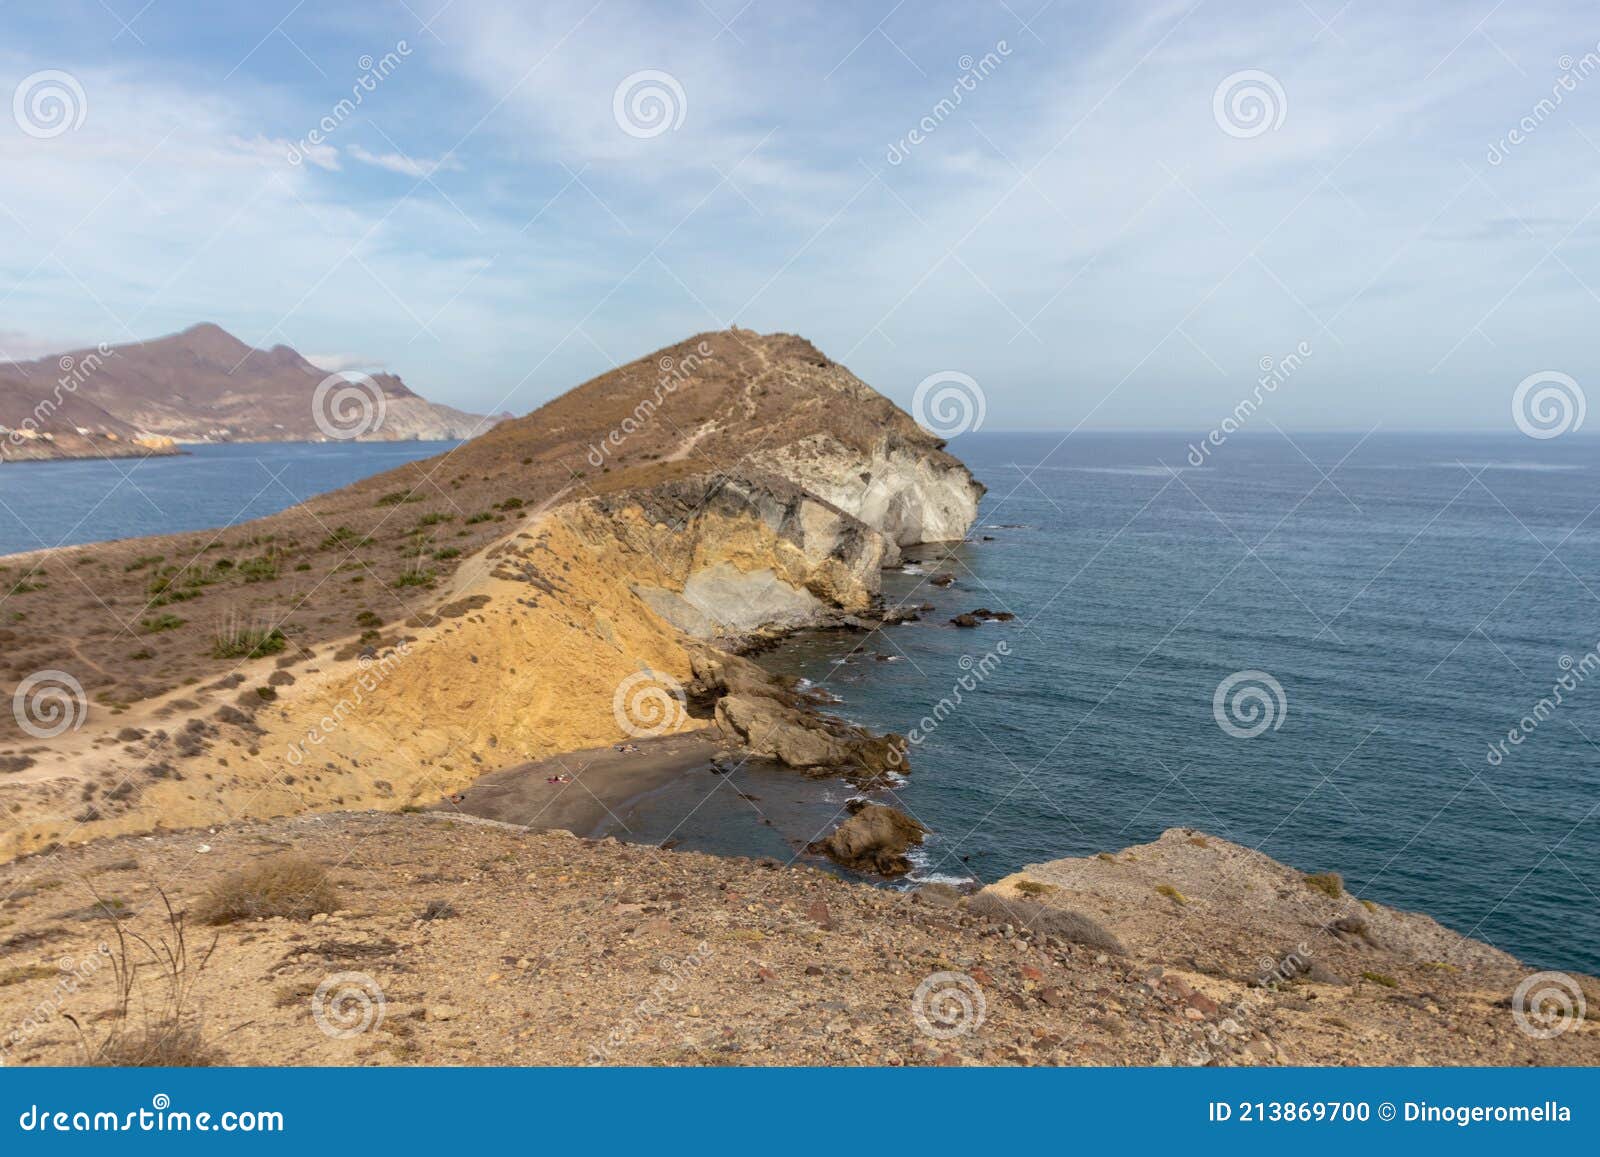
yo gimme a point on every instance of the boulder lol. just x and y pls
(799, 737)
(875, 839)
(717, 673)
(775, 730)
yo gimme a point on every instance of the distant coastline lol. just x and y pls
(89, 450)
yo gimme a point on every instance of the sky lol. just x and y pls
(1106, 215)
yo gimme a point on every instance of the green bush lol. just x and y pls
(240, 641)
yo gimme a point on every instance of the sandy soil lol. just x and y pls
(600, 782)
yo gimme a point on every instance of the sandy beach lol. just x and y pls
(600, 783)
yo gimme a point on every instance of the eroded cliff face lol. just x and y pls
(554, 638)
(737, 557)
(528, 655)
(911, 494)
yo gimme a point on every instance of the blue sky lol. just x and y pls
(1093, 234)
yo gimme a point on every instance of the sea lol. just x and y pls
(1372, 653)
(49, 504)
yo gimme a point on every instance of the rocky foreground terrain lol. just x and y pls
(455, 941)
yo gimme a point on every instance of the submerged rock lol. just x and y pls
(982, 615)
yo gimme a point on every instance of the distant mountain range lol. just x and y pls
(203, 385)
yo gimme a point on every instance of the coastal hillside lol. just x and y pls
(439, 940)
(291, 747)
(202, 385)
(538, 590)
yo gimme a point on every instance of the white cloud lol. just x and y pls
(400, 163)
(1145, 246)
(288, 152)
(18, 346)
(342, 363)
(166, 209)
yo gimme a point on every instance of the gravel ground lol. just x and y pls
(462, 941)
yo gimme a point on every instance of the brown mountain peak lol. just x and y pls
(206, 340)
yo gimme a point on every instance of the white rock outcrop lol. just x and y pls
(907, 494)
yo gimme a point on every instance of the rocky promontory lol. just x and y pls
(543, 588)
(269, 729)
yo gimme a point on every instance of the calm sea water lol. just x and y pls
(1415, 597)
(64, 503)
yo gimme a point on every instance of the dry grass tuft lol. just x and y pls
(1035, 888)
(289, 886)
(159, 1029)
(1330, 884)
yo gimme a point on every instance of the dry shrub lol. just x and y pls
(159, 1029)
(289, 886)
(1330, 884)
